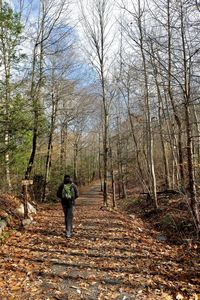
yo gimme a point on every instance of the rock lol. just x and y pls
(162, 238)
(111, 281)
(132, 216)
(20, 210)
(2, 225)
(18, 233)
(26, 222)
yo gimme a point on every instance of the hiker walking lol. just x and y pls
(68, 192)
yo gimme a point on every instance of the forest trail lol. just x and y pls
(110, 256)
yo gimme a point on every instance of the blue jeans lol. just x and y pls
(68, 212)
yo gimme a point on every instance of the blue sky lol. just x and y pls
(83, 71)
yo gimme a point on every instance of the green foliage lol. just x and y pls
(15, 115)
(11, 107)
(43, 130)
(10, 53)
(20, 129)
(21, 154)
(20, 118)
(10, 23)
(4, 236)
(20, 132)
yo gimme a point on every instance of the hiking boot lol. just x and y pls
(68, 234)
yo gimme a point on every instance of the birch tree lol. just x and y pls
(10, 36)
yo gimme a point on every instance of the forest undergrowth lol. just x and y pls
(173, 219)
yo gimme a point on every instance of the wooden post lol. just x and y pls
(113, 190)
(25, 184)
(112, 178)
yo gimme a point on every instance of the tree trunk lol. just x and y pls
(175, 174)
(197, 125)
(165, 160)
(148, 115)
(6, 61)
(113, 181)
(192, 185)
(34, 97)
(49, 149)
(36, 88)
(170, 93)
(99, 166)
(105, 140)
(120, 162)
(75, 161)
(186, 94)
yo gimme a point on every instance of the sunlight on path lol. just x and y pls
(109, 256)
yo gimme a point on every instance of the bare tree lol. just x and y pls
(48, 19)
(138, 14)
(97, 29)
(187, 107)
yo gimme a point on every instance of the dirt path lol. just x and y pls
(110, 256)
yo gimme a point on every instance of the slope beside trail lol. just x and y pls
(110, 256)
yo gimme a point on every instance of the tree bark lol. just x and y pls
(170, 93)
(113, 180)
(34, 95)
(148, 112)
(54, 102)
(165, 160)
(6, 61)
(186, 91)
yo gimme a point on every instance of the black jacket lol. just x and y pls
(59, 192)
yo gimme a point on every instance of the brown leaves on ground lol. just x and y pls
(8, 205)
(173, 218)
(110, 256)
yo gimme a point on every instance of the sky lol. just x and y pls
(75, 20)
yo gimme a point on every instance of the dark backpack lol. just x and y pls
(68, 192)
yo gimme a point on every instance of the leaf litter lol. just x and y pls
(109, 256)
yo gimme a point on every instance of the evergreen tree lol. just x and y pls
(10, 56)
